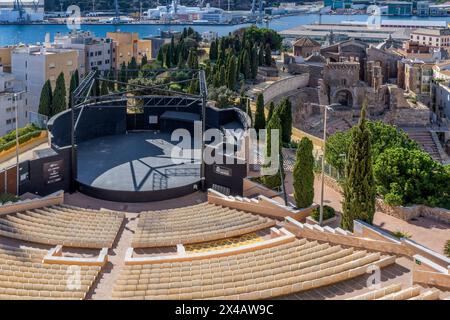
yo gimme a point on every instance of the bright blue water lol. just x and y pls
(13, 34)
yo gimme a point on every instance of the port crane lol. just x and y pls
(18, 6)
(260, 8)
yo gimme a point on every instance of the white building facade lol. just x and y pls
(11, 97)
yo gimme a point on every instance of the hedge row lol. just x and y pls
(22, 139)
(11, 136)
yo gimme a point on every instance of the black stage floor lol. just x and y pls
(137, 161)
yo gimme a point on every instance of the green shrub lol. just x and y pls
(328, 213)
(447, 249)
(401, 234)
(7, 197)
(22, 139)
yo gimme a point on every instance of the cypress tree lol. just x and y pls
(285, 110)
(254, 62)
(222, 77)
(77, 78)
(104, 89)
(160, 56)
(111, 85)
(192, 61)
(246, 65)
(261, 55)
(144, 60)
(168, 57)
(231, 73)
(96, 88)
(249, 112)
(260, 119)
(173, 52)
(304, 174)
(213, 51)
(359, 184)
(273, 181)
(271, 111)
(133, 68)
(59, 102)
(72, 87)
(268, 56)
(194, 87)
(123, 75)
(45, 101)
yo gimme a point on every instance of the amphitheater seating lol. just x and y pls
(24, 277)
(198, 223)
(63, 225)
(395, 292)
(265, 273)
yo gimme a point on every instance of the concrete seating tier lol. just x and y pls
(264, 273)
(198, 223)
(395, 292)
(63, 225)
(23, 276)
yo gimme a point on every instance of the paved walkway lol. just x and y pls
(425, 231)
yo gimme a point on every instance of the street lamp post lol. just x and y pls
(322, 182)
(16, 107)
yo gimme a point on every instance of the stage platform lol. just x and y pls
(136, 167)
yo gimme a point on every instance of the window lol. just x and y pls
(51, 65)
(69, 62)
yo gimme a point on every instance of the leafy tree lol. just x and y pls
(260, 119)
(59, 102)
(45, 101)
(410, 176)
(273, 181)
(384, 136)
(359, 185)
(304, 174)
(222, 95)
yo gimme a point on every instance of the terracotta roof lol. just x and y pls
(306, 42)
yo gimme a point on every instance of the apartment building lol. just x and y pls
(11, 98)
(127, 45)
(94, 53)
(432, 37)
(34, 65)
(5, 58)
(415, 77)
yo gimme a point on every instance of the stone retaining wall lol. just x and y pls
(408, 213)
